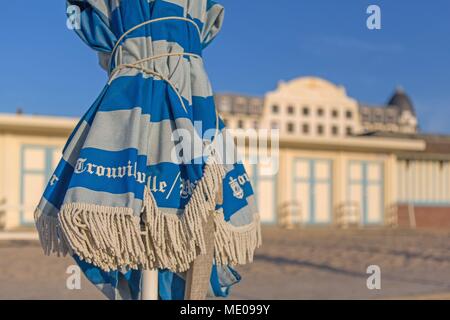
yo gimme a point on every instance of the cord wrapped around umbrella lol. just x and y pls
(132, 190)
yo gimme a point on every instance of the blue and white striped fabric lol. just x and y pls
(121, 199)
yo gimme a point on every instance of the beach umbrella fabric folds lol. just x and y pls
(149, 162)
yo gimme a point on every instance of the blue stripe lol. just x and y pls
(165, 179)
(90, 179)
(170, 286)
(210, 4)
(176, 31)
(88, 117)
(55, 193)
(222, 278)
(94, 31)
(126, 16)
(156, 98)
(166, 183)
(232, 204)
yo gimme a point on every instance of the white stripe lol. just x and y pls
(102, 6)
(186, 73)
(73, 148)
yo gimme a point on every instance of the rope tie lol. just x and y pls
(138, 64)
(122, 37)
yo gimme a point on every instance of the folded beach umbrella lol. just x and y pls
(149, 162)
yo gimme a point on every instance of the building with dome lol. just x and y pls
(316, 107)
(340, 162)
(398, 115)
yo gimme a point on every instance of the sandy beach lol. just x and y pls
(292, 264)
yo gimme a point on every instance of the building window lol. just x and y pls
(320, 129)
(225, 105)
(37, 165)
(366, 117)
(255, 107)
(349, 131)
(290, 110)
(334, 113)
(240, 124)
(379, 118)
(275, 108)
(349, 114)
(335, 130)
(305, 111)
(255, 125)
(305, 128)
(240, 107)
(274, 125)
(290, 127)
(320, 112)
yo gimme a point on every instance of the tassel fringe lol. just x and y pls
(50, 235)
(236, 245)
(108, 237)
(112, 238)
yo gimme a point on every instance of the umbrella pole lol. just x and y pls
(149, 285)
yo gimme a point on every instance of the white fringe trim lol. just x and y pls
(108, 237)
(173, 242)
(111, 238)
(50, 235)
(236, 245)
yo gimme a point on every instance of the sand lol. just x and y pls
(293, 264)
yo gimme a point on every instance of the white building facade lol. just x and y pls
(340, 162)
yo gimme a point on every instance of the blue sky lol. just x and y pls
(46, 69)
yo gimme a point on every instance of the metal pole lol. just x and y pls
(149, 285)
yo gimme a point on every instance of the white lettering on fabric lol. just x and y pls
(130, 170)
